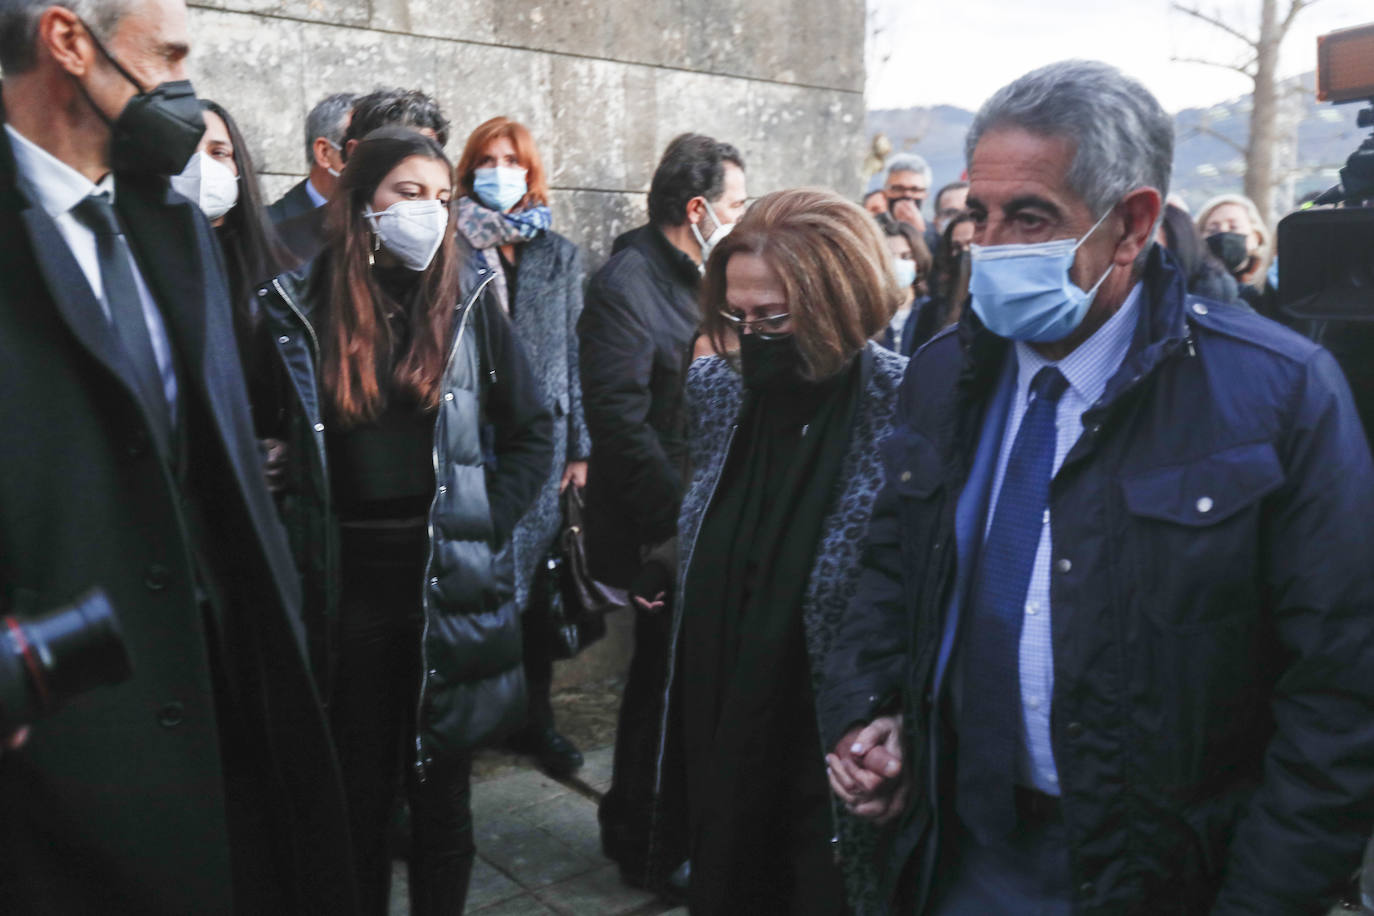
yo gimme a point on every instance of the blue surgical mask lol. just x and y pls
(500, 187)
(904, 269)
(1023, 292)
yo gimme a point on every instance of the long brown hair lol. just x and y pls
(525, 151)
(356, 337)
(834, 266)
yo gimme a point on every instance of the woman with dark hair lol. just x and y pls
(911, 262)
(411, 361)
(784, 444)
(948, 287)
(503, 214)
(1203, 273)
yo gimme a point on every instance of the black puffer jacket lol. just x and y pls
(1213, 603)
(640, 317)
(473, 686)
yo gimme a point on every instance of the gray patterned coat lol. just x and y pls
(715, 395)
(548, 302)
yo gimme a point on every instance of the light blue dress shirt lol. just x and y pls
(55, 187)
(316, 198)
(1088, 369)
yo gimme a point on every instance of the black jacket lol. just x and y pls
(474, 684)
(291, 204)
(1213, 596)
(636, 333)
(117, 803)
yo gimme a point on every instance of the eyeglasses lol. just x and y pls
(768, 328)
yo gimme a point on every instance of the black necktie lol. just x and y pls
(126, 307)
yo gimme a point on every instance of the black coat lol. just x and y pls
(291, 204)
(1213, 596)
(636, 334)
(117, 803)
(474, 684)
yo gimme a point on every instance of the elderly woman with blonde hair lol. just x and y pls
(783, 436)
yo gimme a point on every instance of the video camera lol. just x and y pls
(47, 660)
(1326, 256)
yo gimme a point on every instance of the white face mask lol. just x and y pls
(412, 230)
(711, 241)
(208, 183)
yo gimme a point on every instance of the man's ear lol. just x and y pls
(320, 148)
(64, 38)
(348, 149)
(1139, 211)
(696, 210)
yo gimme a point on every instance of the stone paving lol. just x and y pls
(538, 842)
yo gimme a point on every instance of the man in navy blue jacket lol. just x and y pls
(1113, 648)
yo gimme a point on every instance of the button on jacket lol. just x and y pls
(1213, 612)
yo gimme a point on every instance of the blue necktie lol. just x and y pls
(989, 719)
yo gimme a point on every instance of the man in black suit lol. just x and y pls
(206, 783)
(324, 133)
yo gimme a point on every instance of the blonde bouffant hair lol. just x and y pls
(835, 269)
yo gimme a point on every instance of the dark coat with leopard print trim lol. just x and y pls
(715, 396)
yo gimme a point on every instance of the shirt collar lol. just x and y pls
(315, 196)
(1091, 365)
(49, 182)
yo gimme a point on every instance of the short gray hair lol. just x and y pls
(326, 120)
(1123, 139)
(907, 162)
(19, 26)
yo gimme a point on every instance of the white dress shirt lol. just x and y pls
(55, 187)
(1088, 369)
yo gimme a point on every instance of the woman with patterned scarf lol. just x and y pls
(504, 215)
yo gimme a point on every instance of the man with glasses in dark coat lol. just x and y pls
(206, 782)
(1114, 635)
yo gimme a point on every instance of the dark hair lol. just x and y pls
(253, 253)
(952, 186)
(396, 108)
(946, 276)
(693, 165)
(920, 252)
(19, 26)
(355, 335)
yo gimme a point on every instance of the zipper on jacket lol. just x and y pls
(464, 319)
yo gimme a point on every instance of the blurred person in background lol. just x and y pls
(636, 336)
(1234, 232)
(948, 282)
(416, 359)
(906, 183)
(503, 213)
(949, 203)
(911, 263)
(875, 198)
(784, 443)
(1203, 274)
(324, 133)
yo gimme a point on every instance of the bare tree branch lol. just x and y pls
(1295, 7)
(1245, 69)
(1224, 26)
(1204, 130)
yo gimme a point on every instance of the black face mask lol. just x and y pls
(1230, 249)
(770, 365)
(158, 131)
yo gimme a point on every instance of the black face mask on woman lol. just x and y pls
(1230, 249)
(770, 364)
(158, 130)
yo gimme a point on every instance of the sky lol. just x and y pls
(958, 52)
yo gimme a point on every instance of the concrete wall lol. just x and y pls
(602, 85)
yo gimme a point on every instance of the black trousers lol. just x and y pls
(535, 631)
(374, 717)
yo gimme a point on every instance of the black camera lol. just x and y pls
(47, 660)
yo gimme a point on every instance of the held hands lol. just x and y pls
(866, 770)
(576, 474)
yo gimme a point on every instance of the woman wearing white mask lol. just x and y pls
(504, 216)
(412, 372)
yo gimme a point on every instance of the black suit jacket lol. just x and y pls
(118, 802)
(291, 204)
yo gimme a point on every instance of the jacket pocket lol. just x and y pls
(1193, 535)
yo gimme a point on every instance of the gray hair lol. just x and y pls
(326, 120)
(907, 162)
(1123, 139)
(19, 26)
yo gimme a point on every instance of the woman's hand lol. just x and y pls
(575, 473)
(274, 463)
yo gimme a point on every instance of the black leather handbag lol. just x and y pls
(578, 603)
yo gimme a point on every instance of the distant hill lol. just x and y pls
(1203, 164)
